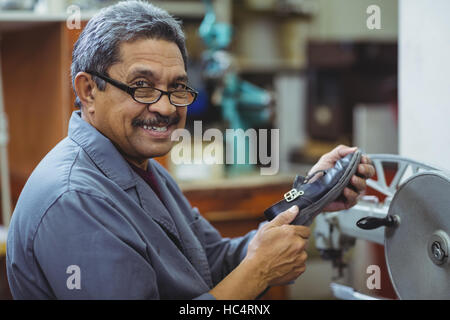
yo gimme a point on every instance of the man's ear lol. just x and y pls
(85, 88)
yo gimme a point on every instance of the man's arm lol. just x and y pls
(84, 257)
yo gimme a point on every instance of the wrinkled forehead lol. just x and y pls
(151, 58)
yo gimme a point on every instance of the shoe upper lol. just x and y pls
(304, 194)
(317, 189)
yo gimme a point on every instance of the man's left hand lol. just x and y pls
(364, 171)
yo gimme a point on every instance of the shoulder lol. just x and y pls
(75, 209)
(45, 185)
(64, 175)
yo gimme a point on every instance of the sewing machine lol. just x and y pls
(413, 224)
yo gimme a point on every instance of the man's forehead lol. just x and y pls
(147, 72)
(161, 51)
(148, 57)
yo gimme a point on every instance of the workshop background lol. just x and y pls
(323, 72)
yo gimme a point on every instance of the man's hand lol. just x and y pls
(349, 196)
(276, 255)
(278, 248)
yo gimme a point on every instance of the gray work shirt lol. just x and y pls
(86, 226)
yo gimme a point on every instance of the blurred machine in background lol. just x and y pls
(410, 217)
(243, 105)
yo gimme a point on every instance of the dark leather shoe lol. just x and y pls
(312, 197)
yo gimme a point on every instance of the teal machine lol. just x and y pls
(243, 105)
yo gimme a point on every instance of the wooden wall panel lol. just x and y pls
(33, 95)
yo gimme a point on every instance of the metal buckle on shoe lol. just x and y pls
(293, 194)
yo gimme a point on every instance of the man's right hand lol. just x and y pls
(278, 249)
(276, 255)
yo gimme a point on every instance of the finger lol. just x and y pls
(298, 246)
(342, 150)
(285, 217)
(303, 257)
(349, 194)
(366, 170)
(300, 264)
(335, 206)
(329, 159)
(302, 231)
(351, 197)
(358, 183)
(300, 269)
(366, 160)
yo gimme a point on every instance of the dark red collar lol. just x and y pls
(149, 178)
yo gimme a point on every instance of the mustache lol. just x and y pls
(158, 119)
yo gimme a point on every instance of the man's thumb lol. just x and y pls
(342, 151)
(285, 217)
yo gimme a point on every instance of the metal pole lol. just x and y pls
(4, 168)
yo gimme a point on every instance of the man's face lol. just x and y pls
(140, 132)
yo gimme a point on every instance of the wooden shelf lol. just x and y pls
(22, 19)
(16, 20)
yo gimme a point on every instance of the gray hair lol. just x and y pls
(97, 48)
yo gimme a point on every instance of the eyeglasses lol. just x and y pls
(149, 95)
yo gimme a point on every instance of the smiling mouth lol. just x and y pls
(159, 124)
(155, 128)
(159, 127)
(159, 131)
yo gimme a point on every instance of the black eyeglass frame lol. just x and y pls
(132, 90)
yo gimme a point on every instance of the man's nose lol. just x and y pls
(163, 106)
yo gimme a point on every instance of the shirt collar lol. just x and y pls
(101, 150)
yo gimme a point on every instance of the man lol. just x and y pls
(98, 220)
